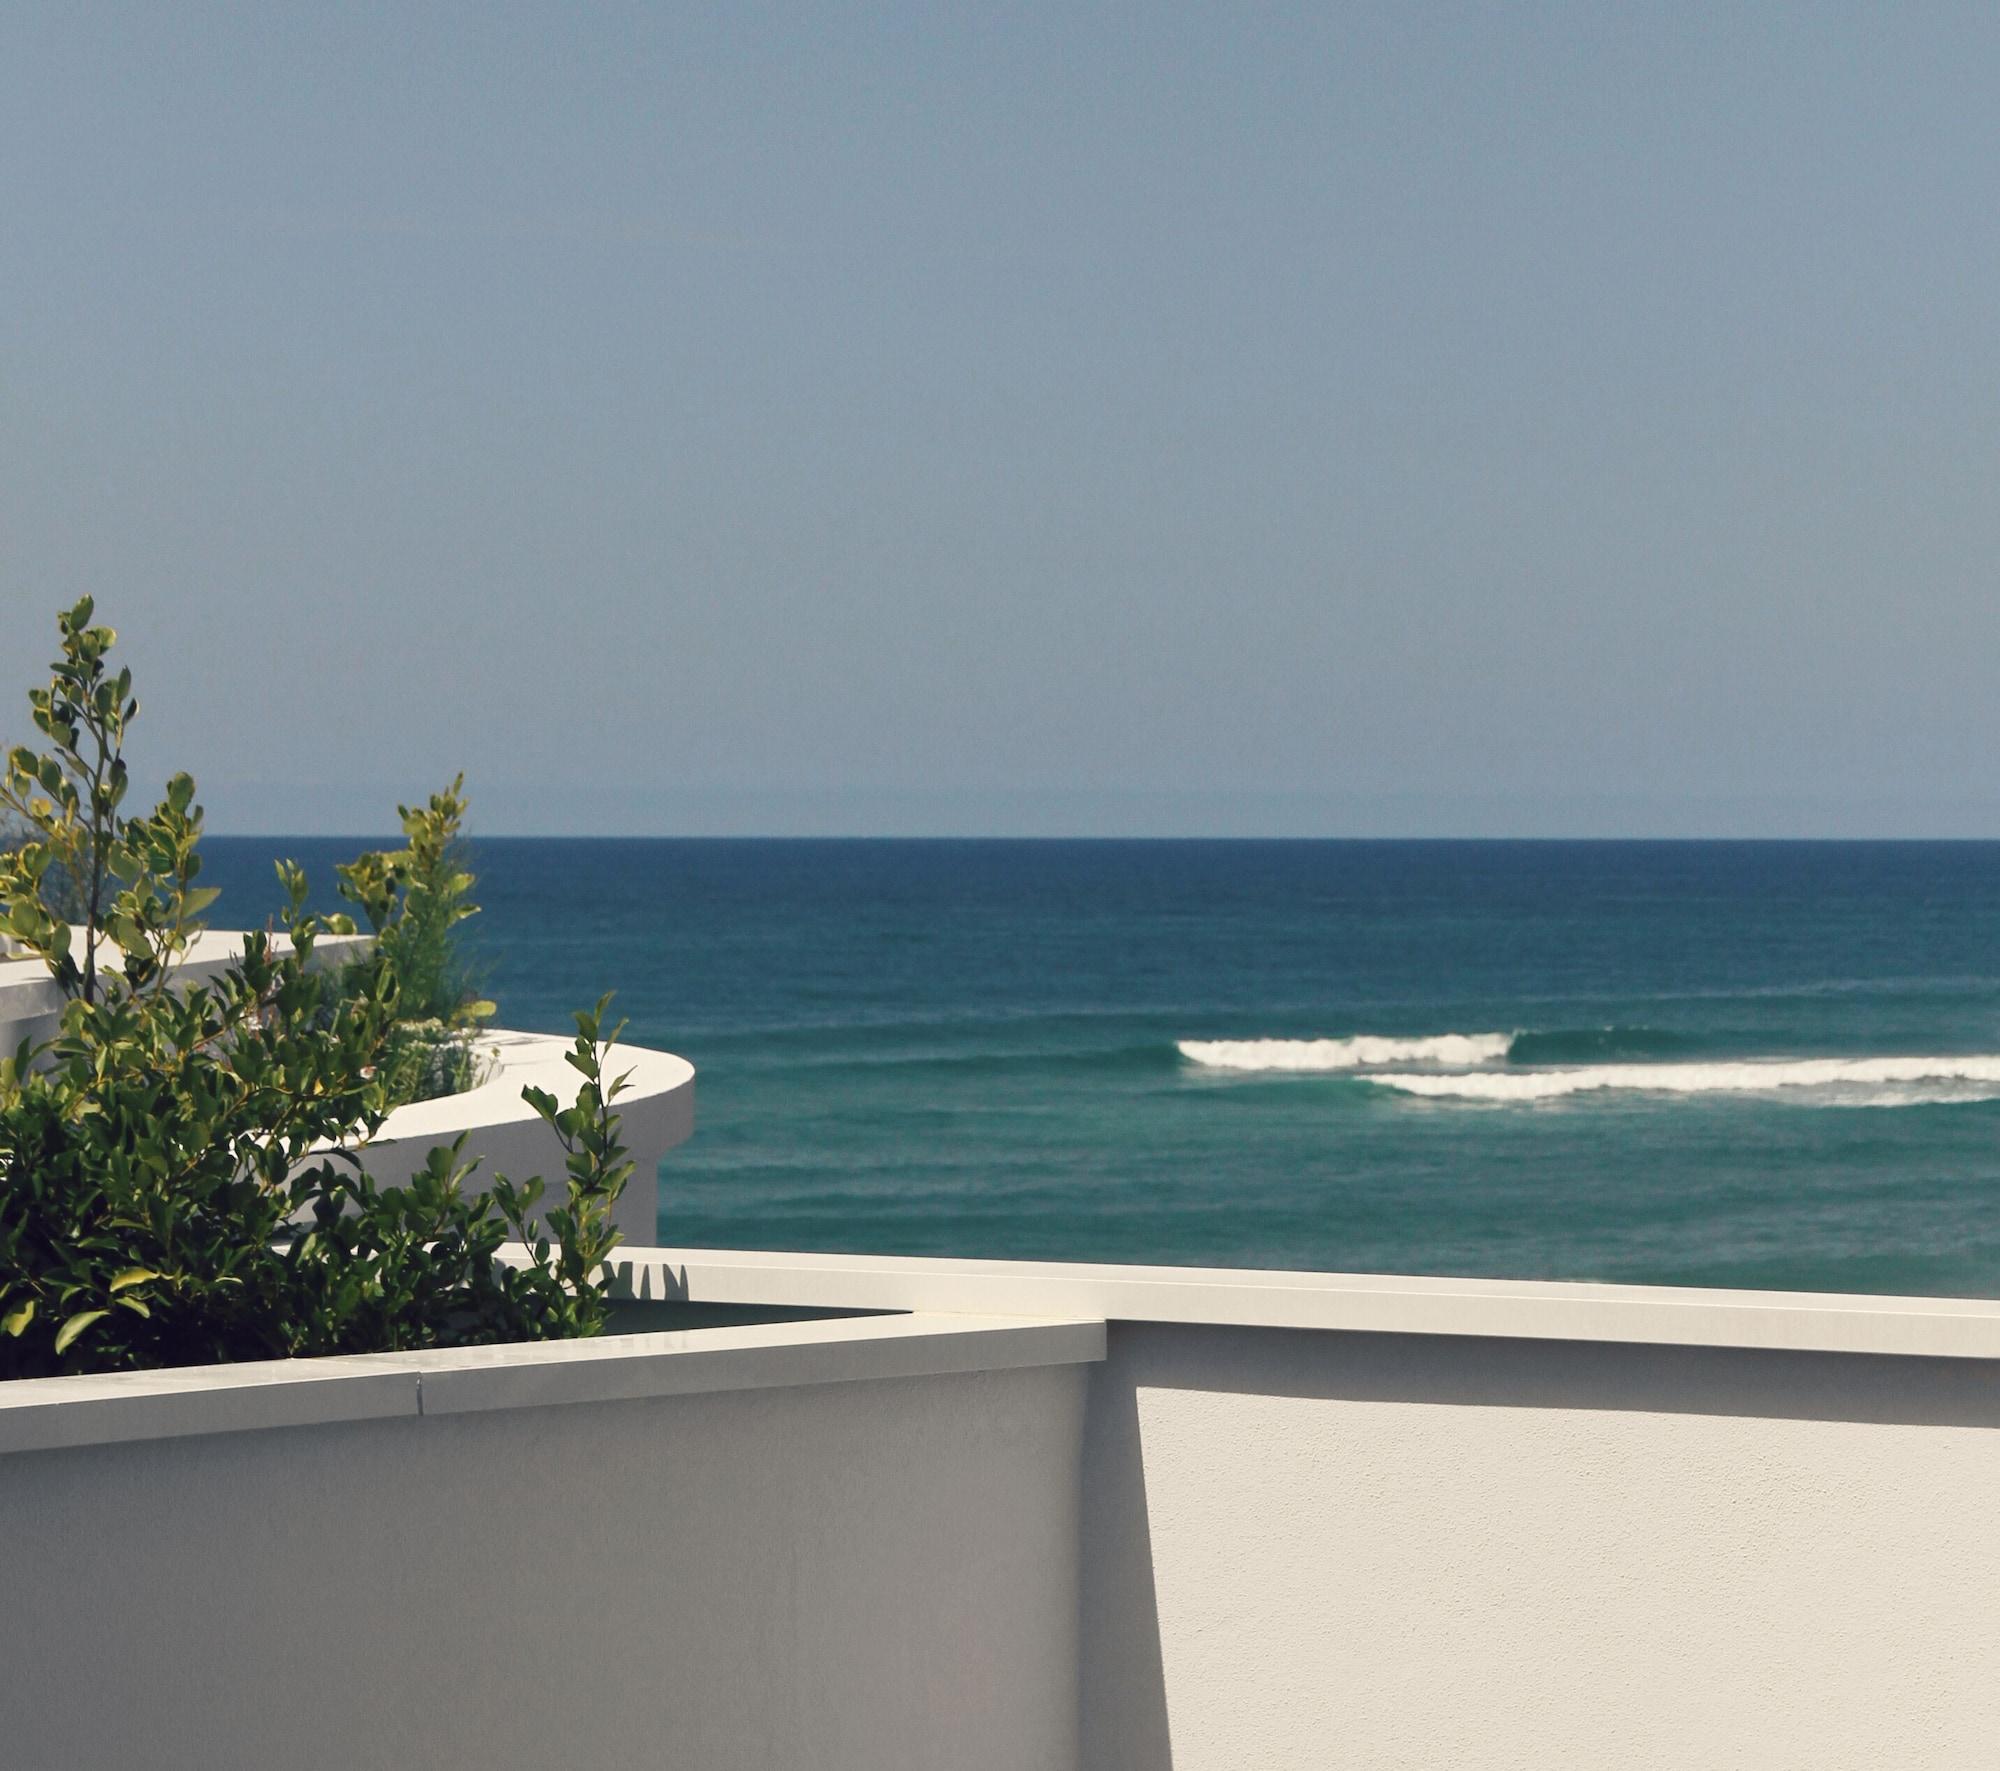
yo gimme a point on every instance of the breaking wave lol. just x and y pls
(1462, 1051)
(1556, 1065)
(1358, 1053)
(1871, 1082)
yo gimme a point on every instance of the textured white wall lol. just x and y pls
(1383, 1550)
(1253, 1547)
(872, 1575)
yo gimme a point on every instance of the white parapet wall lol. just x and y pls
(847, 1544)
(1352, 1520)
(1040, 1516)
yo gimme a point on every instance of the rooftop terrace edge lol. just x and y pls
(1820, 1322)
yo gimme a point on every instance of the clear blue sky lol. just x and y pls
(1409, 419)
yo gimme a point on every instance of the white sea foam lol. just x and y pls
(1875, 1082)
(1345, 1054)
(1949, 1094)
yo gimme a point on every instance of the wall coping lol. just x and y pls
(52, 1413)
(519, 1060)
(26, 988)
(961, 1316)
(1652, 1315)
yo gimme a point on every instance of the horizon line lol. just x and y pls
(1598, 838)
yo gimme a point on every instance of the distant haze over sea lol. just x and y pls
(588, 809)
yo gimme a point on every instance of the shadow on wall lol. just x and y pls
(1477, 1372)
(1123, 1695)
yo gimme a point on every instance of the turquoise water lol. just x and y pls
(1712, 1063)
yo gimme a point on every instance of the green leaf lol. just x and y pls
(67, 1334)
(132, 1276)
(15, 1321)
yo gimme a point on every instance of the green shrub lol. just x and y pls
(59, 893)
(182, 1177)
(424, 1060)
(414, 901)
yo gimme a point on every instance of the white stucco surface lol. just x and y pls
(875, 1573)
(1375, 1303)
(56, 1413)
(1306, 1550)
(655, 1113)
(1715, 1531)
(1385, 1521)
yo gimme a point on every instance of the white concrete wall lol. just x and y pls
(505, 1135)
(1721, 1529)
(1728, 1529)
(872, 1575)
(1305, 1550)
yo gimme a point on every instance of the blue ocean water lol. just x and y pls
(1758, 1064)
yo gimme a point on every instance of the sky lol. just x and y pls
(1071, 419)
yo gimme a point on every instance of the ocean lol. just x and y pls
(1721, 1063)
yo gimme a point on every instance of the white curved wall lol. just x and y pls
(503, 1132)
